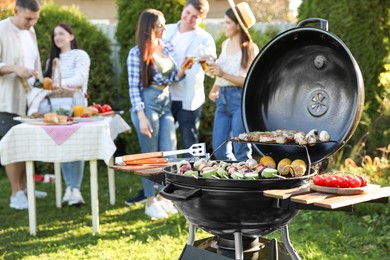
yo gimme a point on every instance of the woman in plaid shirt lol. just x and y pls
(151, 69)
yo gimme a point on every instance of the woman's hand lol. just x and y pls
(187, 64)
(213, 95)
(215, 70)
(144, 124)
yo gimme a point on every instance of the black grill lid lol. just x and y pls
(303, 79)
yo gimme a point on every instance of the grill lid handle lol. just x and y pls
(323, 23)
(168, 192)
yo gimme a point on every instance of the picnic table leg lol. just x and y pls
(94, 196)
(58, 183)
(111, 181)
(32, 218)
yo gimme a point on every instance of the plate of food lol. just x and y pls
(25, 119)
(54, 119)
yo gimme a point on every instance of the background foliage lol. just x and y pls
(352, 21)
(125, 34)
(101, 86)
(355, 22)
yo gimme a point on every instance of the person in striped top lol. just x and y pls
(74, 69)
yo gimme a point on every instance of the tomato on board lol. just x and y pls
(363, 181)
(106, 108)
(355, 182)
(330, 181)
(343, 182)
(319, 180)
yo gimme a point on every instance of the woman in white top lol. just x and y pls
(237, 54)
(74, 67)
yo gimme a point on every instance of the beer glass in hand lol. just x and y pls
(188, 62)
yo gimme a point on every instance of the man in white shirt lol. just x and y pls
(19, 60)
(188, 95)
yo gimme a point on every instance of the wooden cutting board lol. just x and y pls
(344, 191)
(311, 197)
(144, 170)
(342, 201)
(286, 193)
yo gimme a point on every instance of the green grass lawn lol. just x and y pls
(127, 233)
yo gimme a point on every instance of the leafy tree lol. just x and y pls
(271, 10)
(101, 86)
(128, 13)
(364, 26)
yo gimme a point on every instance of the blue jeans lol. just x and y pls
(228, 123)
(73, 173)
(188, 124)
(158, 111)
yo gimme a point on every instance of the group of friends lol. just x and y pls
(166, 86)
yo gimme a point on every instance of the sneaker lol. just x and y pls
(140, 198)
(68, 193)
(38, 194)
(19, 201)
(155, 211)
(76, 198)
(168, 206)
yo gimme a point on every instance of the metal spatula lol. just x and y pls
(195, 150)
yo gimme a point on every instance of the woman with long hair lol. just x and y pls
(237, 53)
(151, 69)
(73, 64)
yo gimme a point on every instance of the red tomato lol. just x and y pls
(106, 108)
(319, 180)
(330, 181)
(355, 182)
(343, 182)
(363, 181)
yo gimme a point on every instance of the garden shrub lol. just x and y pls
(125, 35)
(101, 88)
(128, 13)
(355, 22)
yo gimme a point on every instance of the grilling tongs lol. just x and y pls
(154, 157)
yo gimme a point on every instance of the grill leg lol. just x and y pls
(238, 246)
(191, 234)
(286, 240)
(274, 251)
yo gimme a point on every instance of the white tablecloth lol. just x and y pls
(90, 141)
(82, 141)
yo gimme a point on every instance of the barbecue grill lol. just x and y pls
(305, 78)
